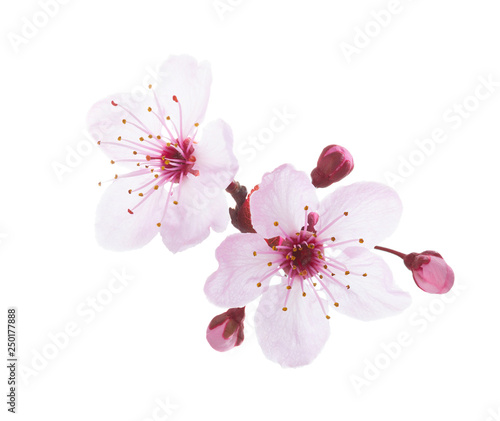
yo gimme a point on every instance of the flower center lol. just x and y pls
(301, 256)
(164, 159)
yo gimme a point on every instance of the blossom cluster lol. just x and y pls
(304, 258)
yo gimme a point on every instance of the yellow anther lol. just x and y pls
(295, 249)
(150, 86)
(135, 152)
(306, 208)
(361, 240)
(328, 317)
(158, 137)
(116, 176)
(311, 246)
(99, 183)
(124, 121)
(156, 187)
(297, 233)
(158, 224)
(275, 248)
(156, 175)
(141, 194)
(332, 274)
(365, 274)
(255, 253)
(284, 309)
(304, 294)
(112, 161)
(276, 223)
(294, 267)
(347, 272)
(119, 138)
(168, 117)
(150, 136)
(288, 287)
(259, 285)
(141, 139)
(336, 304)
(130, 191)
(196, 124)
(176, 202)
(314, 284)
(320, 276)
(348, 286)
(293, 257)
(270, 264)
(325, 266)
(150, 109)
(333, 238)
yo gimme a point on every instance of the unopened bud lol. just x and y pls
(225, 331)
(334, 163)
(430, 272)
(240, 215)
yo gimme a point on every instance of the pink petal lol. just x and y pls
(116, 228)
(281, 198)
(234, 284)
(215, 159)
(183, 77)
(294, 337)
(105, 124)
(373, 210)
(372, 297)
(189, 222)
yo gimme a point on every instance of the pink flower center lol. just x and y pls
(164, 158)
(301, 256)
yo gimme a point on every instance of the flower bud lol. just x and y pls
(225, 331)
(240, 215)
(430, 272)
(334, 163)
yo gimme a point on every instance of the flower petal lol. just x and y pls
(373, 210)
(234, 283)
(281, 198)
(294, 337)
(189, 222)
(372, 297)
(190, 82)
(105, 125)
(215, 159)
(116, 228)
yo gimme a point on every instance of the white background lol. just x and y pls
(149, 343)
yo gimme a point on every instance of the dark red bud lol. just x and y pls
(334, 163)
(240, 215)
(225, 331)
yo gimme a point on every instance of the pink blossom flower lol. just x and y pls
(430, 272)
(319, 260)
(225, 331)
(177, 176)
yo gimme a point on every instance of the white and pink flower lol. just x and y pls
(178, 176)
(306, 259)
